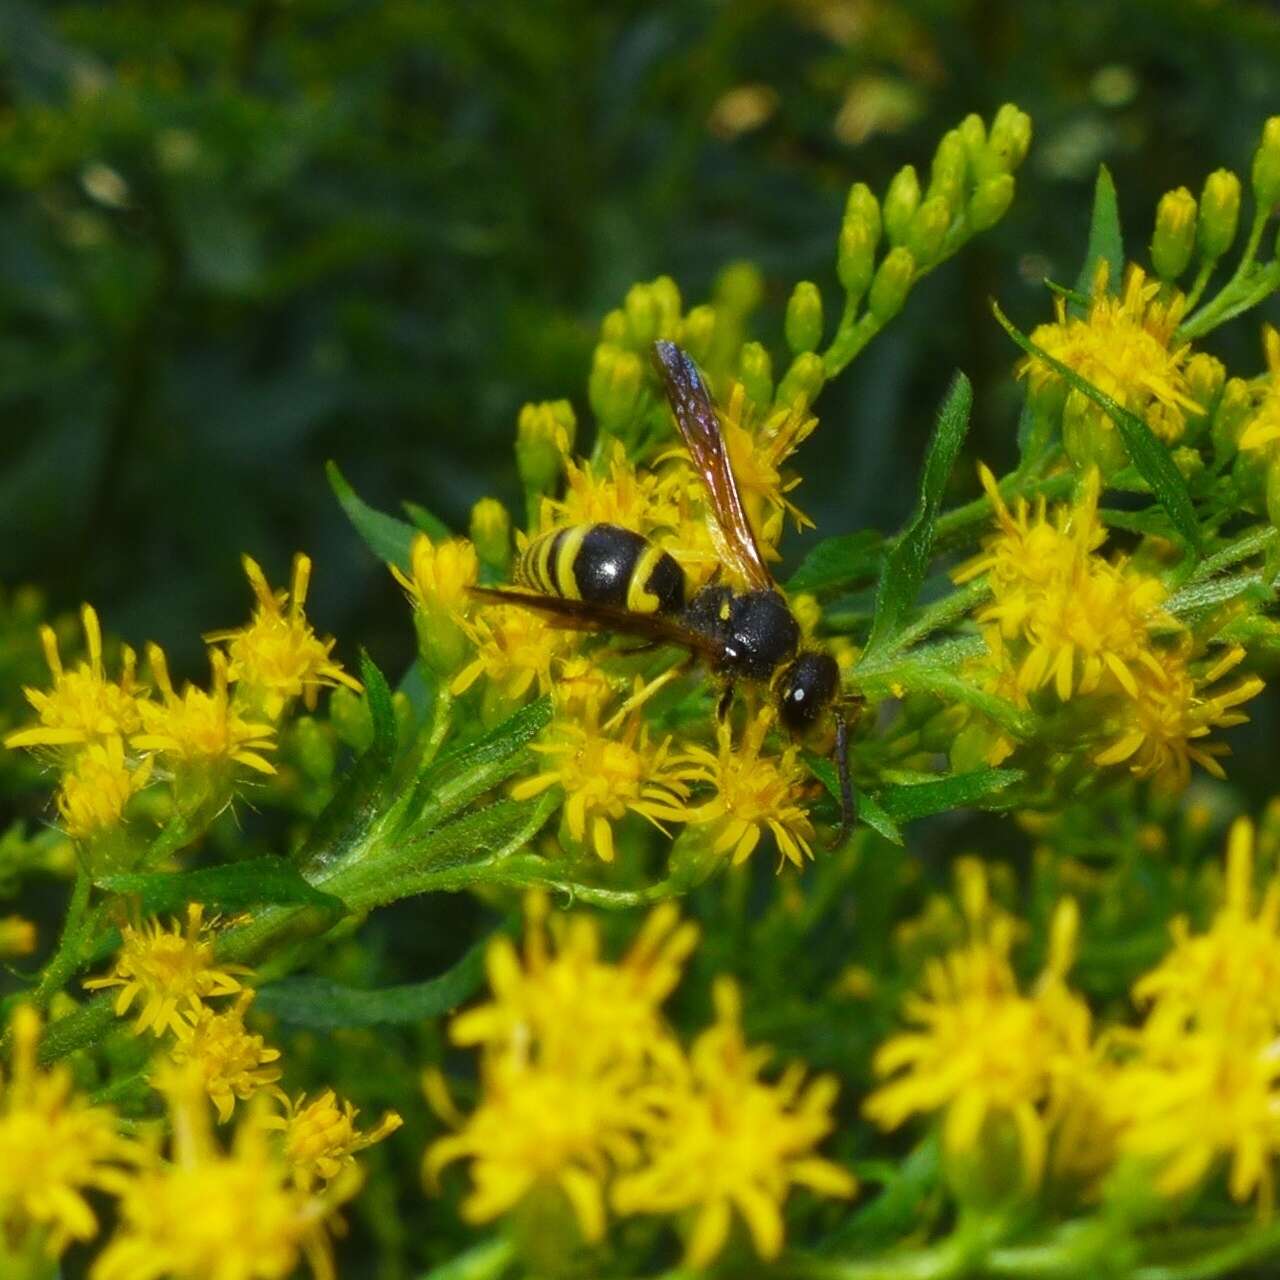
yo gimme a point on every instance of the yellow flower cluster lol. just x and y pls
(586, 1091)
(110, 738)
(1067, 621)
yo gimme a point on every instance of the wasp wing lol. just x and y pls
(695, 415)
(581, 615)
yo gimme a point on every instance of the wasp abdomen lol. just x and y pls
(603, 564)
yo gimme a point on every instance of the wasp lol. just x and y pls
(601, 577)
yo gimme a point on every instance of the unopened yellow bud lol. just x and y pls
(1175, 234)
(351, 719)
(892, 284)
(1219, 214)
(698, 332)
(804, 317)
(642, 316)
(491, 534)
(1205, 376)
(544, 437)
(802, 381)
(17, 937)
(947, 174)
(614, 327)
(1235, 407)
(613, 390)
(739, 288)
(973, 133)
(666, 298)
(1090, 437)
(1008, 140)
(312, 745)
(1266, 166)
(991, 201)
(862, 206)
(755, 369)
(855, 258)
(929, 229)
(900, 204)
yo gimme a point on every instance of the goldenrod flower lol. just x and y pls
(719, 1139)
(206, 1214)
(97, 786)
(1263, 427)
(172, 970)
(605, 777)
(515, 648)
(1204, 1084)
(983, 1051)
(755, 792)
(635, 498)
(1160, 730)
(569, 1042)
(230, 1060)
(561, 996)
(199, 728)
(17, 937)
(83, 705)
(321, 1138)
(440, 574)
(1125, 347)
(278, 657)
(54, 1147)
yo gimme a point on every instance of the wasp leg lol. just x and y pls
(848, 802)
(646, 691)
(725, 705)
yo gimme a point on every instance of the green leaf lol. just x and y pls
(908, 560)
(387, 537)
(329, 1006)
(1147, 452)
(954, 791)
(896, 1210)
(255, 882)
(430, 524)
(869, 809)
(1105, 241)
(364, 791)
(843, 561)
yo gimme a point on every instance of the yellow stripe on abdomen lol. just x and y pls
(639, 598)
(561, 572)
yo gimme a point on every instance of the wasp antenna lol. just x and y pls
(848, 802)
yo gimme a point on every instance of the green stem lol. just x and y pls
(1246, 288)
(1263, 1243)
(484, 1261)
(848, 343)
(70, 946)
(1197, 287)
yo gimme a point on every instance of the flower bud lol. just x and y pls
(991, 201)
(617, 377)
(755, 369)
(1219, 214)
(544, 437)
(491, 534)
(642, 316)
(1090, 437)
(666, 299)
(855, 258)
(804, 317)
(900, 204)
(862, 206)
(802, 381)
(1205, 376)
(614, 327)
(699, 331)
(313, 748)
(928, 230)
(1175, 235)
(1008, 140)
(739, 288)
(946, 176)
(1234, 408)
(1266, 166)
(351, 719)
(1189, 461)
(892, 284)
(973, 133)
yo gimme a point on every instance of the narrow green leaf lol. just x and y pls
(955, 791)
(328, 1006)
(430, 524)
(843, 561)
(1147, 452)
(387, 537)
(869, 809)
(255, 882)
(896, 1209)
(908, 560)
(1105, 241)
(363, 792)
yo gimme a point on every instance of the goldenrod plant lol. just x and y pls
(1019, 1019)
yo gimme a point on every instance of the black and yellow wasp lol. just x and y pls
(601, 577)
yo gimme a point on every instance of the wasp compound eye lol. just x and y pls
(806, 689)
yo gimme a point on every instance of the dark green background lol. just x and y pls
(237, 239)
